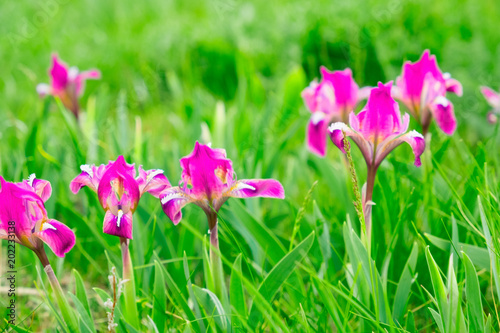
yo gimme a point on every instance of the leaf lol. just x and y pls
(212, 305)
(178, 296)
(237, 296)
(473, 294)
(192, 296)
(80, 292)
(437, 319)
(278, 275)
(160, 298)
(404, 285)
(478, 255)
(489, 243)
(103, 295)
(254, 231)
(410, 323)
(85, 319)
(439, 288)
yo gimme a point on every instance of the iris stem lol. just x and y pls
(58, 292)
(215, 260)
(367, 202)
(132, 315)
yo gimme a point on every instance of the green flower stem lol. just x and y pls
(132, 316)
(367, 200)
(215, 260)
(58, 292)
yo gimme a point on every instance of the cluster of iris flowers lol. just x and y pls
(208, 178)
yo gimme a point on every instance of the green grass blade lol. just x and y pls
(212, 306)
(279, 274)
(237, 295)
(404, 285)
(473, 294)
(160, 298)
(80, 292)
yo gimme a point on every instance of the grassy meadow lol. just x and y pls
(231, 73)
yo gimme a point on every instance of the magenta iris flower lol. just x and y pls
(67, 84)
(330, 100)
(493, 99)
(208, 180)
(23, 217)
(379, 128)
(422, 88)
(119, 191)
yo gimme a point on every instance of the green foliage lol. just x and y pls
(231, 73)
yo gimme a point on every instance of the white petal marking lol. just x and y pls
(47, 226)
(72, 73)
(243, 186)
(88, 169)
(119, 218)
(317, 117)
(172, 196)
(31, 179)
(153, 174)
(441, 100)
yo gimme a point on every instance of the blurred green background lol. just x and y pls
(231, 72)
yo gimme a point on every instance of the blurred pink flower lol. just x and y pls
(422, 88)
(493, 99)
(378, 128)
(208, 180)
(67, 84)
(119, 191)
(23, 217)
(330, 100)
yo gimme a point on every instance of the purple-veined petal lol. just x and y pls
(337, 138)
(453, 85)
(43, 89)
(491, 96)
(248, 188)
(59, 74)
(152, 181)
(442, 110)
(57, 236)
(413, 138)
(42, 187)
(172, 201)
(317, 132)
(118, 225)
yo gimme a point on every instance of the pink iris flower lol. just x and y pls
(208, 180)
(493, 99)
(330, 100)
(67, 84)
(422, 88)
(23, 217)
(379, 128)
(119, 191)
